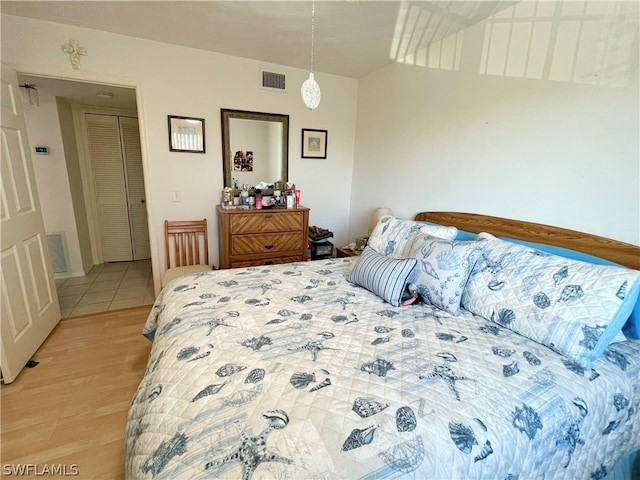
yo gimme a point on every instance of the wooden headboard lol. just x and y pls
(613, 250)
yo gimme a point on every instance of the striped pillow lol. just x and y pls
(384, 276)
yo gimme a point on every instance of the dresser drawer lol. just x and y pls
(265, 243)
(266, 222)
(263, 261)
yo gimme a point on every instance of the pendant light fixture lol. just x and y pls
(310, 90)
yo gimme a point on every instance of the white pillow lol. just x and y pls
(572, 307)
(393, 236)
(443, 269)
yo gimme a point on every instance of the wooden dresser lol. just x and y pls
(262, 237)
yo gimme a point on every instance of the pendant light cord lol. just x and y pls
(310, 90)
(313, 28)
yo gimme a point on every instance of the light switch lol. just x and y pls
(175, 196)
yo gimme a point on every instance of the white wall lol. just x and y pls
(74, 172)
(58, 177)
(173, 80)
(51, 175)
(562, 151)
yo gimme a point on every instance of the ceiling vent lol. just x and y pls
(273, 81)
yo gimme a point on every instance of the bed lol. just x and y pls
(309, 370)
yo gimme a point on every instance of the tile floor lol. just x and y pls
(109, 286)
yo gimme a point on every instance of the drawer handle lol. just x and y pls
(268, 247)
(270, 262)
(268, 216)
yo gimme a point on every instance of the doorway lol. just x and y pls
(64, 176)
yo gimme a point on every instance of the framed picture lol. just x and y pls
(243, 161)
(314, 143)
(186, 134)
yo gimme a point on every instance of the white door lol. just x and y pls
(29, 303)
(116, 162)
(132, 154)
(109, 187)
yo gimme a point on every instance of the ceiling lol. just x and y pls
(352, 37)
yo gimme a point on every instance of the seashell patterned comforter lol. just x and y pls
(292, 372)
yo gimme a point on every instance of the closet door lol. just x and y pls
(109, 187)
(134, 180)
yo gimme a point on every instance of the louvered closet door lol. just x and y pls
(110, 189)
(134, 180)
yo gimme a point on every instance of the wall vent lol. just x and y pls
(57, 242)
(273, 81)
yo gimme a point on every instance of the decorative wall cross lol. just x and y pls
(74, 50)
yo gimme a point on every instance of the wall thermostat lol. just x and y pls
(42, 150)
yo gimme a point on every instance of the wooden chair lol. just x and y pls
(182, 240)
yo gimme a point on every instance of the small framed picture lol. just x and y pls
(186, 134)
(314, 143)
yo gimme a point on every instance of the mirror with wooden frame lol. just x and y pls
(255, 147)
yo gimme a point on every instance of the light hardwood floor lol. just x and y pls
(71, 408)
